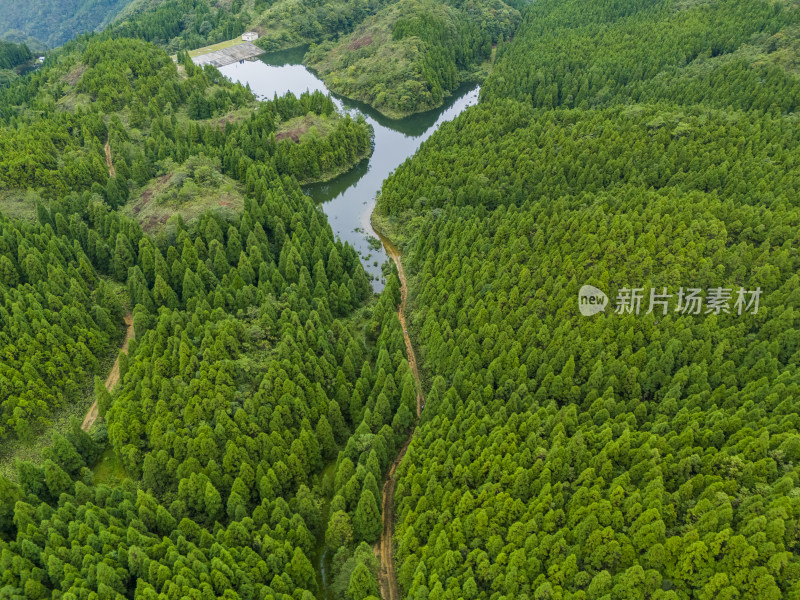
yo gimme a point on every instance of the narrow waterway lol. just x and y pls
(348, 200)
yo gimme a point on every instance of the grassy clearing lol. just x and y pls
(187, 190)
(310, 124)
(72, 100)
(234, 116)
(31, 450)
(109, 469)
(18, 204)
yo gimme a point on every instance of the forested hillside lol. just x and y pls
(291, 23)
(56, 151)
(13, 57)
(248, 373)
(50, 342)
(130, 93)
(626, 144)
(401, 57)
(185, 24)
(189, 24)
(266, 390)
(248, 449)
(54, 22)
(414, 53)
(723, 54)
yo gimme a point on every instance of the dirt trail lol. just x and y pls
(113, 377)
(112, 172)
(383, 549)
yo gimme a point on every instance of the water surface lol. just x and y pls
(349, 199)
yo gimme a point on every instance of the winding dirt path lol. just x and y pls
(390, 590)
(112, 172)
(113, 377)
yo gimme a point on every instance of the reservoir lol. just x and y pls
(348, 200)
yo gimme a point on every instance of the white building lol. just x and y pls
(250, 36)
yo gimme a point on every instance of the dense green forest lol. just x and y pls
(189, 24)
(261, 356)
(624, 144)
(267, 391)
(54, 22)
(158, 119)
(249, 373)
(414, 53)
(157, 112)
(584, 448)
(50, 343)
(726, 54)
(13, 57)
(185, 24)
(291, 23)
